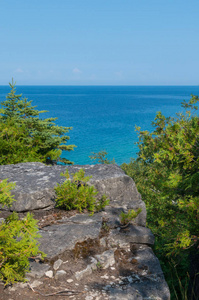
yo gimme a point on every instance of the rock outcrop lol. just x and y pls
(93, 254)
(35, 184)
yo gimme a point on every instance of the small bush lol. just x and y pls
(5, 196)
(77, 194)
(18, 240)
(101, 157)
(126, 218)
(102, 203)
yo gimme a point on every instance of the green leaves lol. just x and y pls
(27, 137)
(16, 145)
(5, 195)
(166, 174)
(101, 157)
(77, 194)
(18, 240)
(126, 218)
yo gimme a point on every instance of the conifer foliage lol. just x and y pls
(25, 137)
(18, 240)
(78, 194)
(166, 173)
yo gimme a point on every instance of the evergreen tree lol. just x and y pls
(22, 126)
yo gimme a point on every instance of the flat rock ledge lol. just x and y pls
(90, 257)
(35, 184)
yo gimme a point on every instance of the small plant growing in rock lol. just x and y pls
(99, 265)
(100, 205)
(5, 196)
(18, 240)
(126, 218)
(105, 226)
(77, 194)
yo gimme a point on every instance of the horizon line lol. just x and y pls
(103, 85)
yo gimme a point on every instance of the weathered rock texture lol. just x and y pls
(35, 184)
(91, 253)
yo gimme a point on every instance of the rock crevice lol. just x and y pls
(91, 252)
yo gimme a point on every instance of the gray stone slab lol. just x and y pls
(128, 294)
(143, 291)
(35, 184)
(37, 270)
(148, 283)
(58, 238)
(146, 257)
(151, 290)
(132, 234)
(151, 284)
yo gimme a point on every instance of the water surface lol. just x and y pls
(104, 117)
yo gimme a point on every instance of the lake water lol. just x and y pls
(104, 117)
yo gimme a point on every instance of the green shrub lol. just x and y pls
(77, 194)
(101, 157)
(5, 195)
(166, 174)
(18, 240)
(103, 201)
(126, 218)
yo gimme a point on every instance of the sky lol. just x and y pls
(99, 42)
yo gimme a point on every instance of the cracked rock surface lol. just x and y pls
(88, 257)
(35, 184)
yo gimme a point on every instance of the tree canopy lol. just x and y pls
(25, 136)
(166, 173)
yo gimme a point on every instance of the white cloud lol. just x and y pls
(77, 71)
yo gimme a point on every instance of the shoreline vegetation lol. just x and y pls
(166, 173)
(26, 137)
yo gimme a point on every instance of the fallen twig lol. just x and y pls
(59, 293)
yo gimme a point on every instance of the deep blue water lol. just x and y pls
(104, 117)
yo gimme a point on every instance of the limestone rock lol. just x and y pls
(35, 184)
(106, 259)
(81, 274)
(58, 238)
(123, 252)
(59, 274)
(37, 270)
(49, 274)
(131, 234)
(57, 264)
(89, 269)
(36, 283)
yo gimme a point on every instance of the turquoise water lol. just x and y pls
(104, 117)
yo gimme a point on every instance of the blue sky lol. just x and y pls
(106, 42)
